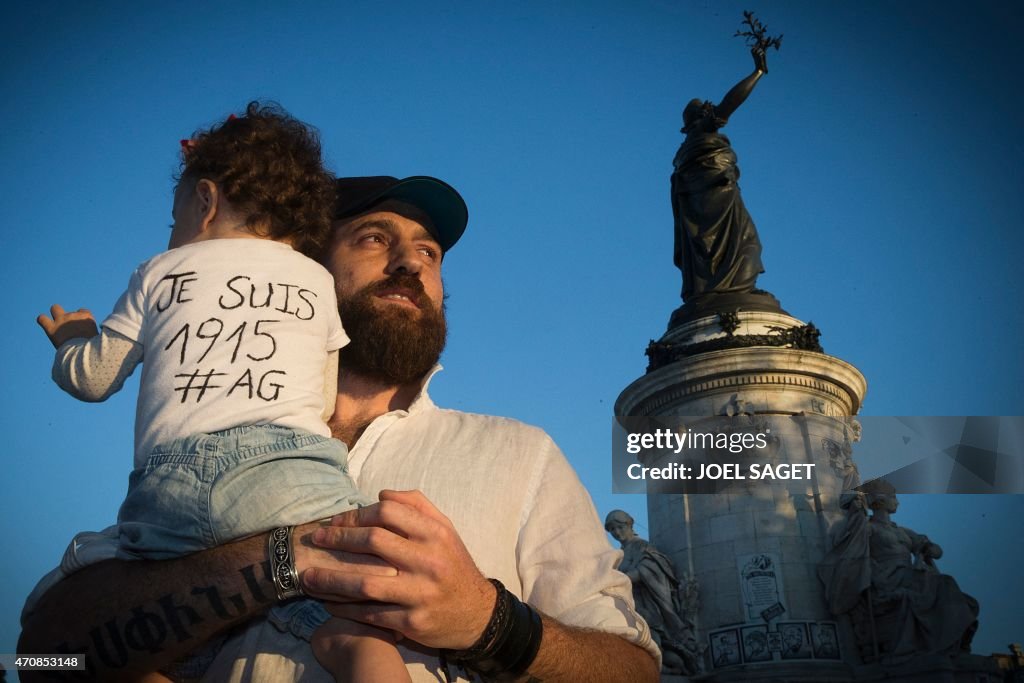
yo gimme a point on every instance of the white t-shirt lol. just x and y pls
(236, 332)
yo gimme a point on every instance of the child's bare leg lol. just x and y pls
(357, 653)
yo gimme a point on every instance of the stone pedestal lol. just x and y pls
(744, 544)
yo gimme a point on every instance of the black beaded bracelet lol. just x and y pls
(509, 643)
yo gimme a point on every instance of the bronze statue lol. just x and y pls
(659, 597)
(716, 244)
(884, 577)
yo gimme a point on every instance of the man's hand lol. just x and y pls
(66, 326)
(438, 598)
(308, 554)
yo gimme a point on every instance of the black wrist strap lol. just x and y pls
(509, 643)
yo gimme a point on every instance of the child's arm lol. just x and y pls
(358, 653)
(89, 365)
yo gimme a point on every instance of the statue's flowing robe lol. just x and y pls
(846, 569)
(656, 593)
(716, 243)
(937, 616)
(932, 614)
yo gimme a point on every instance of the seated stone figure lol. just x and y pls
(656, 591)
(884, 577)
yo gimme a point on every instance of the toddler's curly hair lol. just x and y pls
(268, 165)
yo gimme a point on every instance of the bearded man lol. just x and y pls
(484, 555)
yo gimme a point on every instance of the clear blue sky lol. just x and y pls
(881, 161)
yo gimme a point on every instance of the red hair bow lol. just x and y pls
(188, 145)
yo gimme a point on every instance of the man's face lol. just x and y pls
(387, 271)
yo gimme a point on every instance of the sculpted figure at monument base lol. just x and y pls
(656, 592)
(884, 577)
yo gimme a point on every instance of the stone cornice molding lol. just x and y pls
(715, 371)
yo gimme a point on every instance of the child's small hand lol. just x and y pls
(64, 326)
(357, 652)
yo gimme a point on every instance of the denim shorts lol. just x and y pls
(204, 490)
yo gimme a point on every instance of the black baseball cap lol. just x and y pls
(438, 199)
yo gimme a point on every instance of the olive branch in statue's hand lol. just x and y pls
(757, 37)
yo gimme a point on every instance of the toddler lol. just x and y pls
(240, 335)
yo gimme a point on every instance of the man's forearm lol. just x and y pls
(570, 654)
(135, 617)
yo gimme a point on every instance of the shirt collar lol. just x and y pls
(422, 401)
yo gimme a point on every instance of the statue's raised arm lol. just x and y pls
(759, 41)
(739, 93)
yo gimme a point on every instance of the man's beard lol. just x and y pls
(391, 343)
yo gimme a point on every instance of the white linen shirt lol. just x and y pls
(516, 503)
